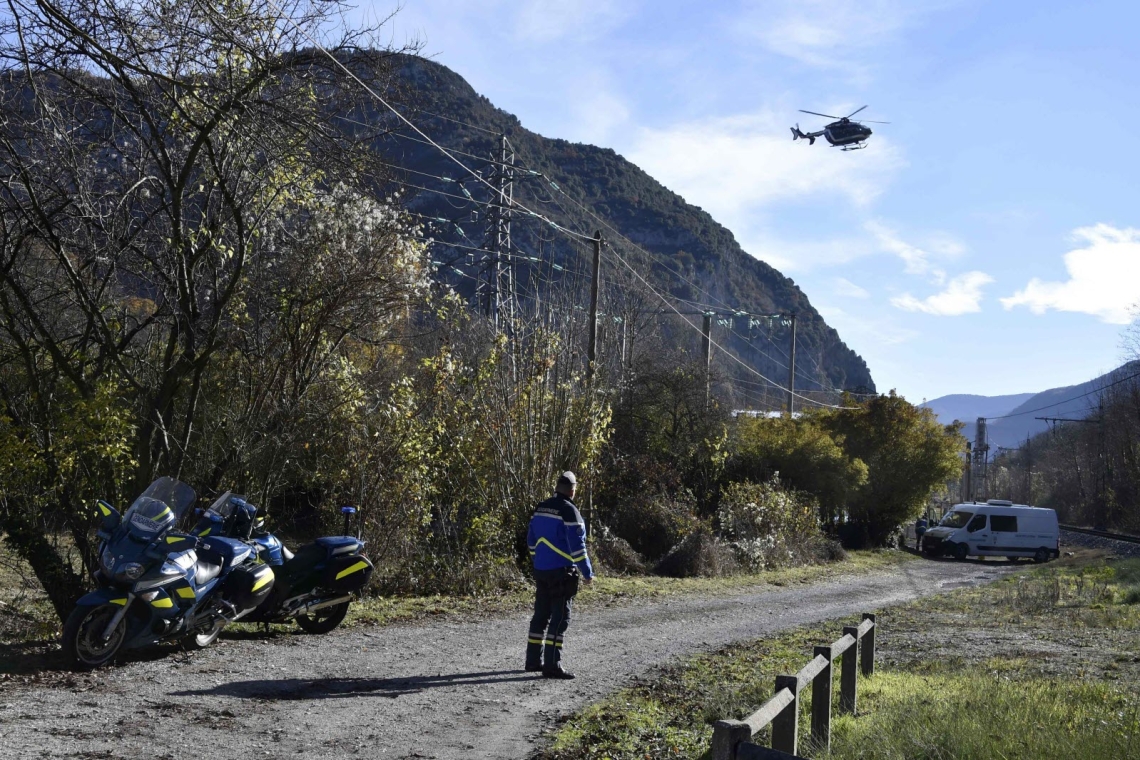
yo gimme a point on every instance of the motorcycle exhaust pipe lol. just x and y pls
(312, 606)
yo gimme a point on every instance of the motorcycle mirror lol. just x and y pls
(111, 516)
(348, 512)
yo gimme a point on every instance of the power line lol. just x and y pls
(1074, 398)
(713, 342)
(405, 119)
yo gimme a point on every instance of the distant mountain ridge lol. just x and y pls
(1018, 421)
(968, 407)
(554, 177)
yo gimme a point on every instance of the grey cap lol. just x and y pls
(567, 478)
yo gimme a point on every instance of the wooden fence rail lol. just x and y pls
(732, 739)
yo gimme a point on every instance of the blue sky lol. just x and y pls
(988, 239)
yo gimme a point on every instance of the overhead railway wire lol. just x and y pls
(521, 207)
(724, 305)
(1066, 401)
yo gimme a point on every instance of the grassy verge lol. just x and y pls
(1043, 664)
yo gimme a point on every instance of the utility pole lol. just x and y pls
(981, 458)
(1028, 471)
(706, 344)
(595, 281)
(969, 490)
(500, 267)
(792, 370)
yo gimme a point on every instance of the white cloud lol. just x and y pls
(858, 330)
(597, 108)
(963, 295)
(1104, 277)
(917, 260)
(539, 21)
(736, 166)
(844, 287)
(829, 33)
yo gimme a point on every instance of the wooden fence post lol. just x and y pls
(821, 704)
(786, 726)
(869, 647)
(850, 672)
(727, 734)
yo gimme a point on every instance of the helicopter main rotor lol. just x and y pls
(842, 118)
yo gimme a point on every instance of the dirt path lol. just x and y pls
(434, 690)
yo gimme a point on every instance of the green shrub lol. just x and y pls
(768, 525)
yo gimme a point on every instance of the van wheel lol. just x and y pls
(1041, 555)
(960, 551)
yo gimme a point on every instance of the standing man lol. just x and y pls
(557, 542)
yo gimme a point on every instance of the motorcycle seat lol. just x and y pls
(206, 572)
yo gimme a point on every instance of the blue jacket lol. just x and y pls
(557, 536)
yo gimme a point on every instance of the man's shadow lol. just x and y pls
(336, 688)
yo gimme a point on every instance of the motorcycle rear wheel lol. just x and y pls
(205, 638)
(323, 620)
(83, 644)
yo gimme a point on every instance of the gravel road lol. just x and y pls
(432, 690)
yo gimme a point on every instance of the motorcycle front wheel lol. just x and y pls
(83, 644)
(324, 619)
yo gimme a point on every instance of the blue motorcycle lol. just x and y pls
(154, 584)
(314, 586)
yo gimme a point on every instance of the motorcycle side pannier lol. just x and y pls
(247, 587)
(345, 574)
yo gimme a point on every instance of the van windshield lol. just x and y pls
(956, 519)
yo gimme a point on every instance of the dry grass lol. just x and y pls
(1042, 664)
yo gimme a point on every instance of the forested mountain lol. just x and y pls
(691, 258)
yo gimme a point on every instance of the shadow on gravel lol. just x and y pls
(333, 688)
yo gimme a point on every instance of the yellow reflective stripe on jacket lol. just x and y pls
(554, 549)
(350, 570)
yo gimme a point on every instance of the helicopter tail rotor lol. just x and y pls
(798, 135)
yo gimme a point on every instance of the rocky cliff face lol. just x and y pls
(687, 254)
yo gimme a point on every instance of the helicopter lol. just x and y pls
(842, 133)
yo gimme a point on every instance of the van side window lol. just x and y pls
(976, 524)
(1003, 523)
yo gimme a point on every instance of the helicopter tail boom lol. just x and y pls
(798, 135)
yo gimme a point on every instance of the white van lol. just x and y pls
(997, 528)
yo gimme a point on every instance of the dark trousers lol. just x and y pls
(552, 597)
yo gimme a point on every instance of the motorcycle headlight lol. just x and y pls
(130, 571)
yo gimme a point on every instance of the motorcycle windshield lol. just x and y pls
(160, 506)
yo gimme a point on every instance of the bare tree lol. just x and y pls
(147, 152)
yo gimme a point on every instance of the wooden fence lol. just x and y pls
(732, 739)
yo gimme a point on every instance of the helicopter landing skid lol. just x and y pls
(856, 146)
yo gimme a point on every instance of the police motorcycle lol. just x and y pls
(156, 585)
(314, 586)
